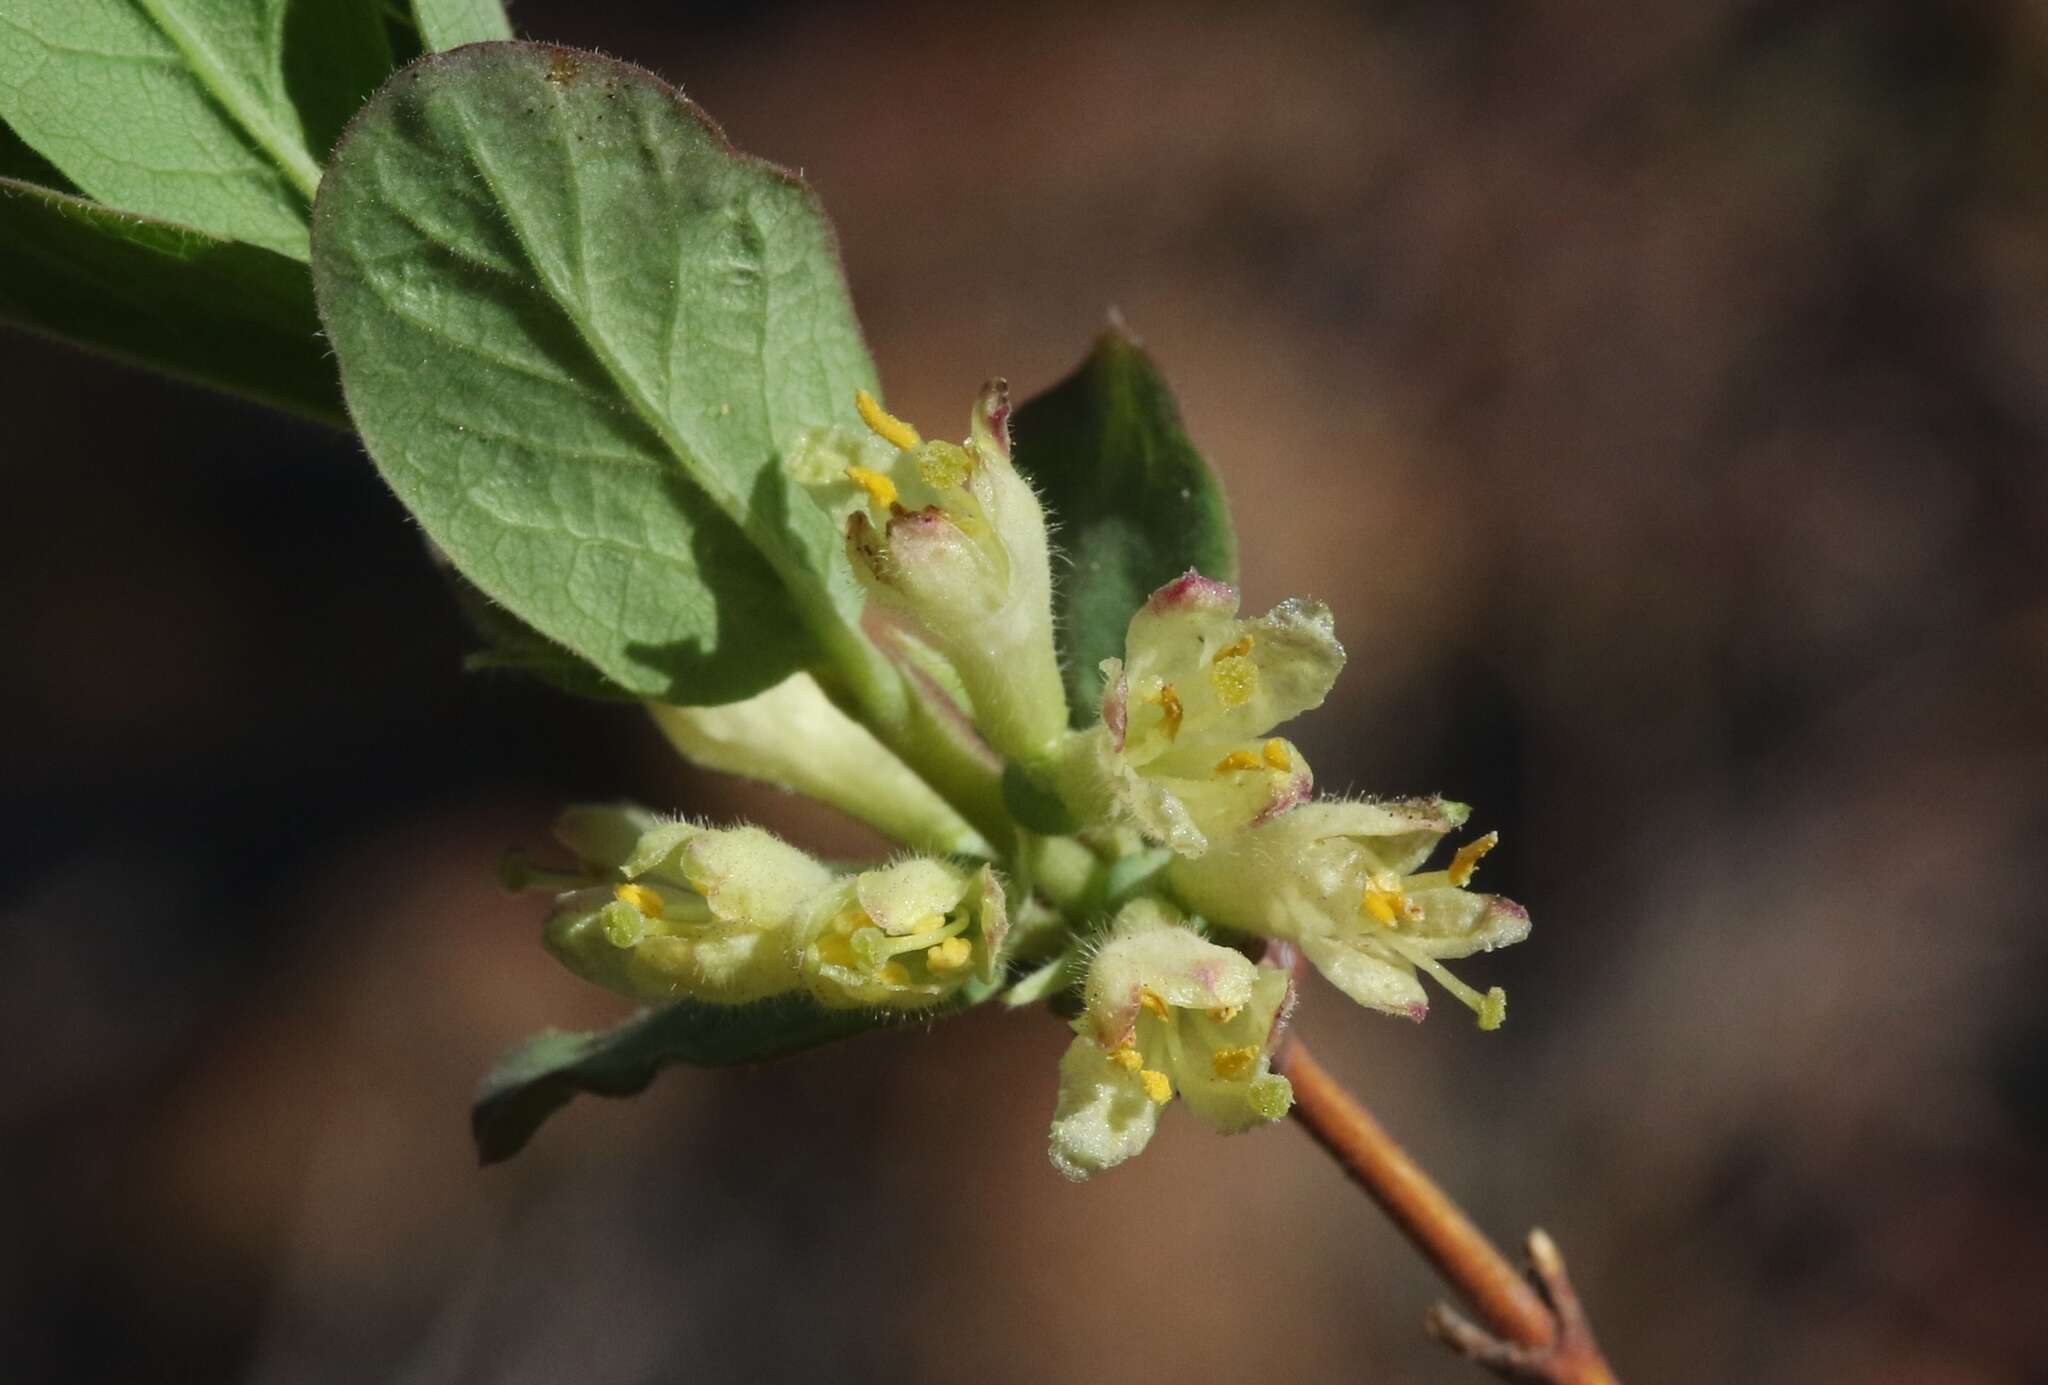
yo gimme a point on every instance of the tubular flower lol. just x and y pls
(903, 936)
(793, 736)
(1183, 748)
(1339, 878)
(1166, 1013)
(662, 908)
(950, 538)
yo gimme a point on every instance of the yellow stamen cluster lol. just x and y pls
(1275, 754)
(641, 898)
(1155, 1004)
(950, 955)
(880, 488)
(883, 424)
(1230, 1064)
(1384, 905)
(1237, 649)
(1224, 1014)
(1237, 760)
(1168, 703)
(1157, 1085)
(1467, 859)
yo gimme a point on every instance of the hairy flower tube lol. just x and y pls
(1166, 1013)
(659, 908)
(1183, 748)
(1340, 879)
(793, 736)
(950, 539)
(903, 936)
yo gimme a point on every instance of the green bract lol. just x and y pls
(1134, 503)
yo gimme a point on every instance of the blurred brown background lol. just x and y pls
(1657, 392)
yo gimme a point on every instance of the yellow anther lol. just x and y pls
(1237, 760)
(883, 424)
(1224, 1014)
(950, 955)
(1467, 859)
(1153, 1003)
(1168, 703)
(1275, 754)
(1235, 680)
(1230, 1064)
(849, 921)
(1235, 650)
(1384, 905)
(1156, 1086)
(896, 974)
(641, 898)
(880, 488)
(1126, 1058)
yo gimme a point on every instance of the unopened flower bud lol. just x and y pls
(793, 736)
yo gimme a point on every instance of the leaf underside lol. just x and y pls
(1134, 503)
(178, 300)
(539, 1077)
(577, 330)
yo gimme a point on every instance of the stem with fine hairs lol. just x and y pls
(1521, 1335)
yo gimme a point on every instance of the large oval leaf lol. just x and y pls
(577, 330)
(211, 113)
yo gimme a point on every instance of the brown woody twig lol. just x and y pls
(1522, 1335)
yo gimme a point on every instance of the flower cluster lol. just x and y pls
(657, 909)
(1196, 833)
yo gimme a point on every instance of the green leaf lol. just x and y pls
(1134, 503)
(539, 1077)
(210, 113)
(452, 23)
(510, 645)
(165, 296)
(577, 330)
(25, 165)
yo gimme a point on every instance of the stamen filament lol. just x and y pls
(876, 952)
(1489, 1007)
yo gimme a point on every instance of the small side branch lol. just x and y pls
(1522, 1335)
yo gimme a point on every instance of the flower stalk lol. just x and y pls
(1526, 1336)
